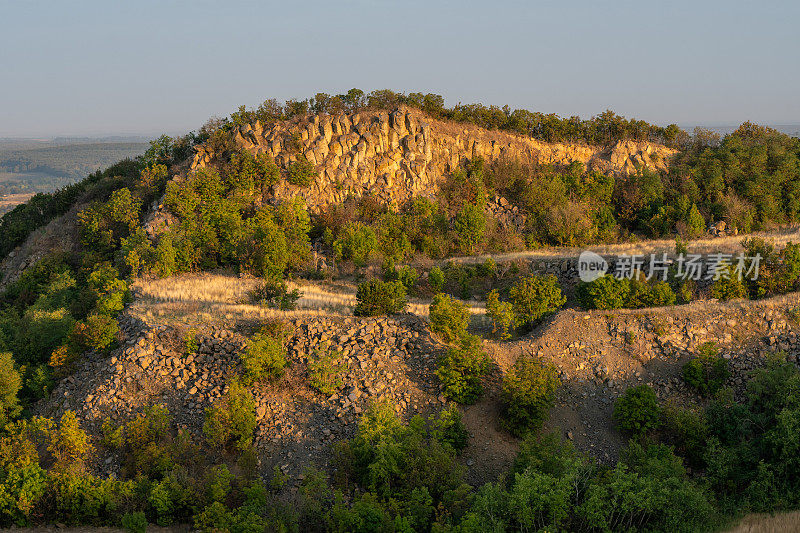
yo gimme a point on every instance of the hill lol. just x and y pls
(362, 313)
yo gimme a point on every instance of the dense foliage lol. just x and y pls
(376, 297)
(449, 317)
(461, 369)
(605, 128)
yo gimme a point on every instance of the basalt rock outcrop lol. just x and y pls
(401, 154)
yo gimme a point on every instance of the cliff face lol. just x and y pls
(396, 156)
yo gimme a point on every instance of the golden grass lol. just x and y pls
(208, 297)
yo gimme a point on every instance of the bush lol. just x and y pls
(462, 368)
(301, 172)
(147, 443)
(134, 522)
(449, 318)
(69, 444)
(10, 384)
(22, 491)
(707, 372)
(609, 292)
(264, 357)
(470, 226)
(325, 371)
(406, 275)
(97, 332)
(449, 429)
(653, 294)
(394, 460)
(501, 314)
(528, 393)
(376, 297)
(275, 293)
(729, 286)
(637, 410)
(232, 418)
(534, 298)
(436, 279)
(606, 292)
(111, 293)
(688, 431)
(356, 243)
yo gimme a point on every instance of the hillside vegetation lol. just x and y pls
(154, 216)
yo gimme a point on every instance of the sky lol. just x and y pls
(165, 66)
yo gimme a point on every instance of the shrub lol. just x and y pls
(654, 294)
(356, 243)
(190, 345)
(69, 444)
(449, 429)
(232, 418)
(10, 384)
(264, 357)
(97, 332)
(376, 297)
(729, 286)
(606, 292)
(301, 172)
(529, 390)
(111, 293)
(436, 279)
(250, 174)
(470, 226)
(501, 314)
(325, 371)
(687, 430)
(695, 223)
(112, 435)
(449, 318)
(461, 370)
(134, 522)
(392, 459)
(406, 275)
(534, 298)
(637, 410)
(707, 372)
(392, 237)
(104, 224)
(147, 441)
(275, 293)
(22, 489)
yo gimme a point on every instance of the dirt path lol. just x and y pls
(730, 244)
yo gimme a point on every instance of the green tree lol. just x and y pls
(301, 172)
(356, 242)
(695, 223)
(501, 313)
(534, 298)
(528, 393)
(637, 410)
(10, 384)
(232, 418)
(449, 318)
(376, 297)
(462, 368)
(470, 226)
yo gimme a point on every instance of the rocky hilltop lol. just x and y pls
(405, 153)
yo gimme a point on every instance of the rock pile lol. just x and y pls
(507, 215)
(382, 359)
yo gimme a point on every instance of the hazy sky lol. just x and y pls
(145, 67)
